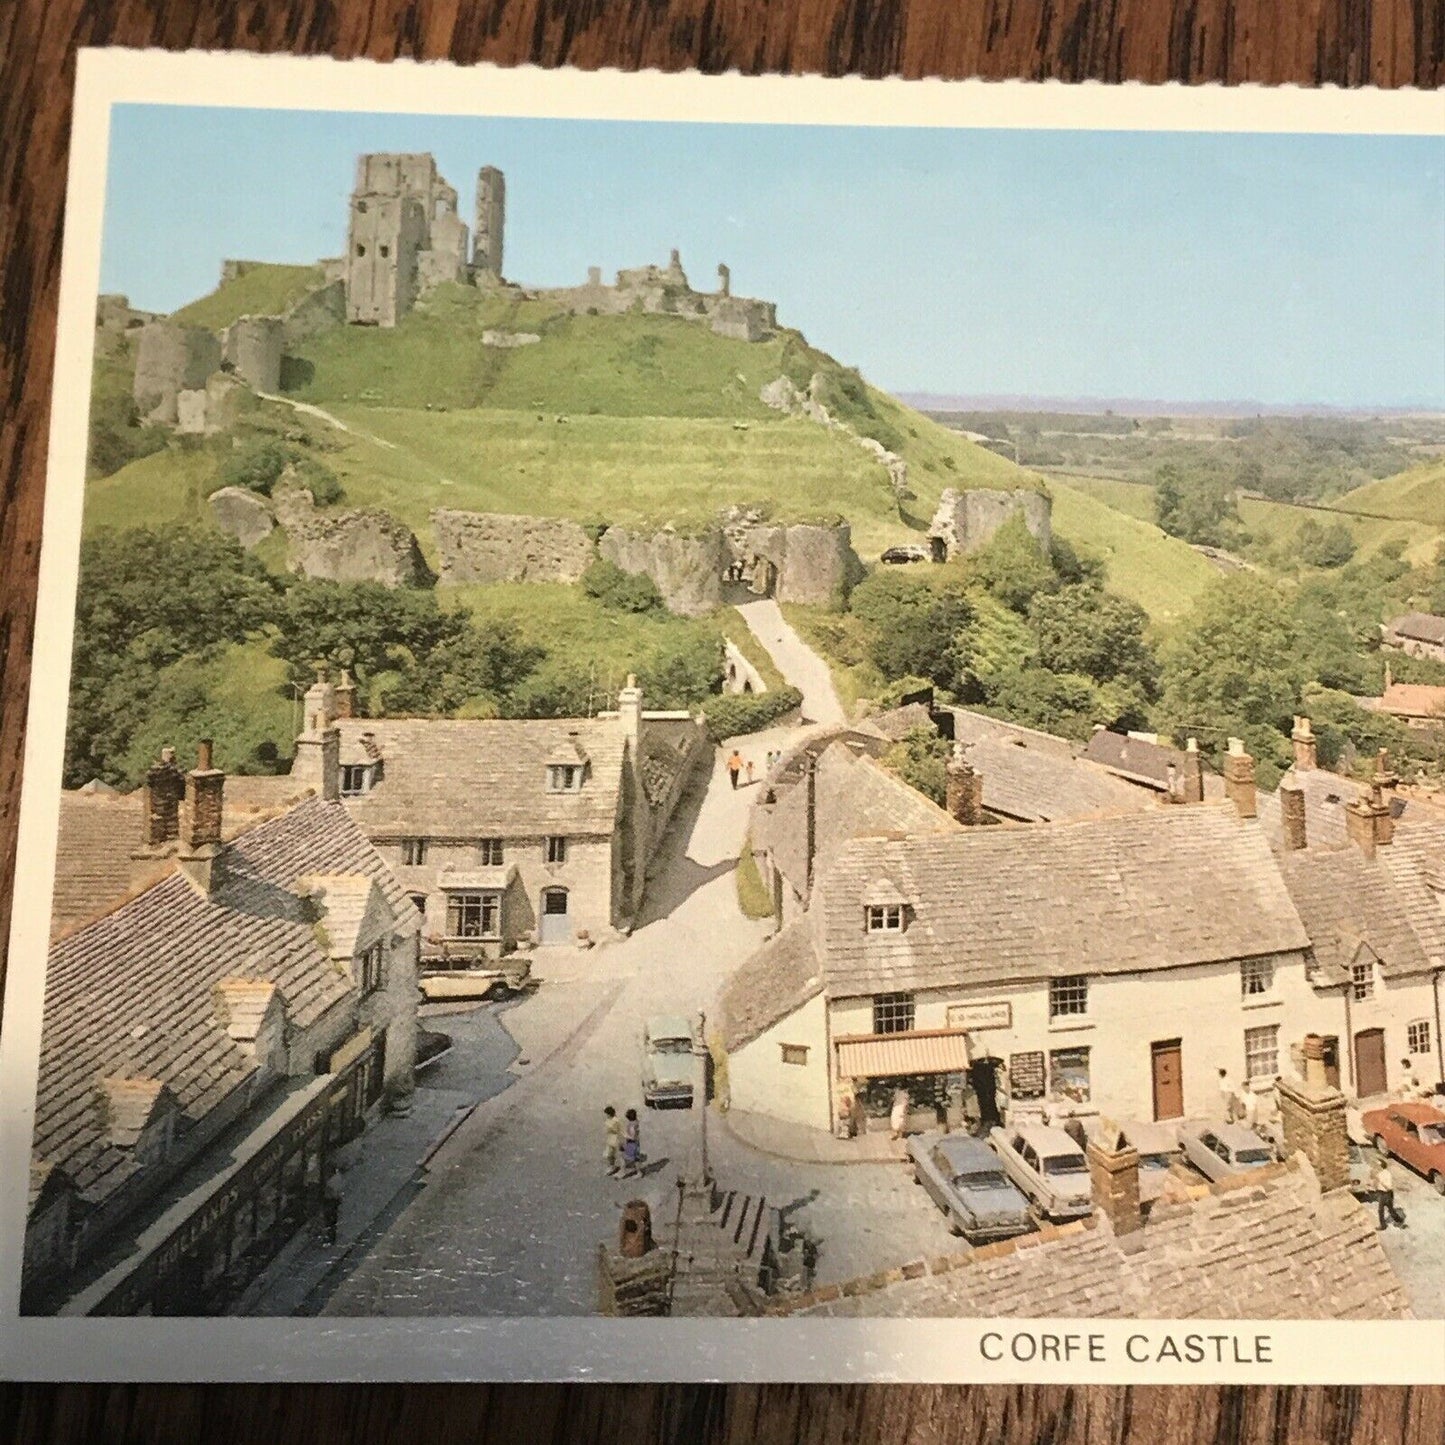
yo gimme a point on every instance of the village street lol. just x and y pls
(516, 1201)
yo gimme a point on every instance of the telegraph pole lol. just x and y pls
(702, 1054)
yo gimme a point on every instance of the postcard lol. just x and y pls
(709, 728)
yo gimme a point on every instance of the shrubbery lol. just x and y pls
(619, 590)
(732, 714)
(262, 462)
(117, 435)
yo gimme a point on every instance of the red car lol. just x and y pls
(1414, 1134)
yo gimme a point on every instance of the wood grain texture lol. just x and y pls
(1310, 42)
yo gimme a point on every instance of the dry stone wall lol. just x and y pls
(366, 545)
(497, 547)
(967, 520)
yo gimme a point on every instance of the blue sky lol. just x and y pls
(1183, 267)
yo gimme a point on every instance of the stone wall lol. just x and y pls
(365, 545)
(688, 570)
(810, 562)
(782, 394)
(967, 520)
(739, 674)
(243, 514)
(211, 408)
(319, 310)
(170, 359)
(252, 347)
(497, 547)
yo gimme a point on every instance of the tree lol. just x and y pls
(1324, 546)
(621, 591)
(1062, 703)
(916, 625)
(920, 759)
(1084, 629)
(1011, 567)
(1199, 507)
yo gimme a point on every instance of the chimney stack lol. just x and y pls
(629, 711)
(1114, 1175)
(345, 694)
(317, 764)
(1306, 749)
(205, 787)
(1193, 772)
(1368, 821)
(1385, 777)
(165, 786)
(1292, 814)
(963, 789)
(1313, 1115)
(320, 699)
(1239, 779)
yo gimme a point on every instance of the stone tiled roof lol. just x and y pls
(1269, 1246)
(854, 796)
(1409, 699)
(1326, 795)
(775, 981)
(1144, 762)
(1168, 888)
(1422, 626)
(470, 778)
(1029, 784)
(133, 994)
(129, 1105)
(896, 723)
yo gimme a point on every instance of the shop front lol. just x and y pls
(929, 1067)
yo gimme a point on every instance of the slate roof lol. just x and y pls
(1422, 626)
(1144, 762)
(1269, 1247)
(1326, 795)
(773, 982)
(132, 994)
(476, 778)
(1164, 889)
(1409, 700)
(854, 796)
(1029, 784)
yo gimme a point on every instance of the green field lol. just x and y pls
(1417, 494)
(263, 290)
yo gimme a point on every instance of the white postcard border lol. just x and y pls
(1011, 1350)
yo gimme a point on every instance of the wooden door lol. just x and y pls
(1168, 1061)
(1369, 1062)
(1332, 1060)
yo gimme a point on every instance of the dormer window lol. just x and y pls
(355, 779)
(1362, 980)
(368, 969)
(884, 917)
(564, 777)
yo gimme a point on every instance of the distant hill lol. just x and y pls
(932, 402)
(1416, 495)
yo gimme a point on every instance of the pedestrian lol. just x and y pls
(1251, 1108)
(612, 1149)
(631, 1145)
(898, 1115)
(735, 766)
(1385, 1195)
(1411, 1087)
(1228, 1104)
(750, 771)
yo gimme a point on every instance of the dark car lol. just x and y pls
(964, 1178)
(894, 556)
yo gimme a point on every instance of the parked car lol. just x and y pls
(897, 555)
(964, 1178)
(1415, 1134)
(1158, 1146)
(1362, 1169)
(1048, 1166)
(1218, 1151)
(669, 1062)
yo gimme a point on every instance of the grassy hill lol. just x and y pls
(1417, 495)
(260, 290)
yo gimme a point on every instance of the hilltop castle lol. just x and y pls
(405, 236)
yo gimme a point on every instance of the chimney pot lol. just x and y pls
(1239, 779)
(1306, 748)
(203, 755)
(168, 755)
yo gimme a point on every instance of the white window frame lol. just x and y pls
(369, 968)
(883, 917)
(1362, 981)
(355, 780)
(564, 777)
(1261, 1052)
(1256, 977)
(1417, 1036)
(1069, 997)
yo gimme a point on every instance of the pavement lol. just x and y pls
(786, 1140)
(802, 667)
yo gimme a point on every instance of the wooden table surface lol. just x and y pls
(1309, 42)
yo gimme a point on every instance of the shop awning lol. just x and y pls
(933, 1051)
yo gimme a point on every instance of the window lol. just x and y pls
(418, 901)
(892, 1013)
(413, 851)
(1417, 1036)
(1068, 997)
(884, 917)
(1362, 979)
(1256, 976)
(368, 968)
(1261, 1052)
(474, 915)
(489, 852)
(564, 777)
(361, 250)
(556, 850)
(354, 779)
(1069, 1074)
(385, 252)
(795, 1053)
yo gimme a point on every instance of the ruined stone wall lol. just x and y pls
(811, 562)
(170, 359)
(967, 520)
(365, 545)
(252, 346)
(317, 311)
(205, 410)
(688, 570)
(491, 214)
(383, 239)
(497, 547)
(243, 514)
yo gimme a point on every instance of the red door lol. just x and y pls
(1168, 1062)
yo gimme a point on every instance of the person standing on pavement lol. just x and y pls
(1228, 1103)
(750, 770)
(1384, 1182)
(735, 766)
(612, 1150)
(631, 1145)
(898, 1115)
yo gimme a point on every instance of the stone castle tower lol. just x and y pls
(491, 216)
(404, 236)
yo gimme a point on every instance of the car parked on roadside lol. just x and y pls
(669, 1063)
(1158, 1148)
(1362, 1169)
(1048, 1166)
(896, 556)
(1219, 1151)
(1414, 1133)
(965, 1180)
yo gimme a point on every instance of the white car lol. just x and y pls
(669, 1063)
(1218, 1151)
(1049, 1167)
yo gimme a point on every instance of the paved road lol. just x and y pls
(802, 667)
